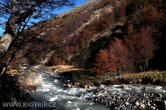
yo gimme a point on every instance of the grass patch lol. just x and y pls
(151, 77)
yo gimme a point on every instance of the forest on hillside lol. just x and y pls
(136, 43)
(102, 55)
(107, 38)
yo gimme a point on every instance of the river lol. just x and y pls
(52, 90)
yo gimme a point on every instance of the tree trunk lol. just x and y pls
(5, 42)
(147, 64)
(12, 30)
(144, 64)
(140, 68)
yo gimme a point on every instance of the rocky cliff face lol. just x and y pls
(75, 37)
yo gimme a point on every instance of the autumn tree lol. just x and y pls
(141, 46)
(19, 12)
(122, 61)
(103, 60)
(115, 59)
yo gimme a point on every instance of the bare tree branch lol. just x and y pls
(18, 13)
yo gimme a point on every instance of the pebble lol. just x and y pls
(133, 101)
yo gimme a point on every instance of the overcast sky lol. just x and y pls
(60, 11)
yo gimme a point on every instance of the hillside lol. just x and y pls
(102, 55)
(99, 37)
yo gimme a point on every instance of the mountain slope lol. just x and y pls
(77, 37)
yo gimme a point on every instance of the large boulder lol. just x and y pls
(29, 79)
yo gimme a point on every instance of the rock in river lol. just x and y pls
(29, 79)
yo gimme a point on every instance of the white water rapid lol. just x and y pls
(53, 91)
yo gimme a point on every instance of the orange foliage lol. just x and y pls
(115, 59)
(122, 61)
(103, 62)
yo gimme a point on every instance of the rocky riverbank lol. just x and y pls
(72, 95)
(133, 101)
(124, 97)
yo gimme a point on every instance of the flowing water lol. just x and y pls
(53, 91)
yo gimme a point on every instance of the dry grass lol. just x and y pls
(65, 68)
(150, 77)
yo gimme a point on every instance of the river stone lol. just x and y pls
(124, 86)
(29, 79)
